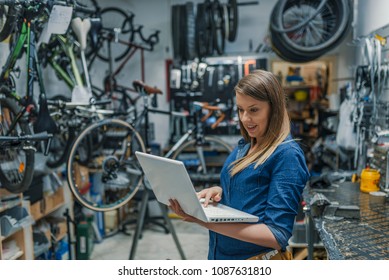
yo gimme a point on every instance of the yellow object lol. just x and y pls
(381, 39)
(369, 180)
(355, 178)
(300, 95)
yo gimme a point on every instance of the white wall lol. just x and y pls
(371, 15)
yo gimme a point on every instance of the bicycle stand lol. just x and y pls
(141, 220)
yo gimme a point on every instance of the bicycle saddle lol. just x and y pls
(44, 121)
(81, 29)
(143, 88)
(94, 31)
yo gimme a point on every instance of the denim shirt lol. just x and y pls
(272, 192)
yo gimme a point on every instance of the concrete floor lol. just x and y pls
(155, 244)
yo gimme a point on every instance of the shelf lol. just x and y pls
(48, 204)
(15, 256)
(61, 236)
(9, 200)
(13, 247)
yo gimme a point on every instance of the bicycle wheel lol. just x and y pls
(214, 151)
(115, 18)
(16, 160)
(204, 32)
(217, 21)
(112, 165)
(306, 27)
(232, 20)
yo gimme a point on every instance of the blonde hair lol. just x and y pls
(264, 86)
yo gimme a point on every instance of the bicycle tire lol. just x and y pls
(7, 21)
(190, 30)
(215, 153)
(116, 171)
(204, 29)
(217, 21)
(329, 24)
(232, 20)
(17, 163)
(202, 34)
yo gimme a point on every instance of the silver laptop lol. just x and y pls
(169, 178)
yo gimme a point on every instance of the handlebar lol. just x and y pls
(12, 141)
(42, 136)
(68, 105)
(211, 110)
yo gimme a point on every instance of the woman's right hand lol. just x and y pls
(214, 193)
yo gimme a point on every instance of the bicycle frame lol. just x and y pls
(67, 46)
(196, 131)
(112, 84)
(26, 37)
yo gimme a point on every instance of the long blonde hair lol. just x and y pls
(264, 86)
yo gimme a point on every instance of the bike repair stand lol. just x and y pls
(141, 220)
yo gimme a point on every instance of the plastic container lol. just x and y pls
(369, 180)
(14, 219)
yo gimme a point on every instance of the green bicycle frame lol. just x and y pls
(71, 81)
(13, 57)
(26, 38)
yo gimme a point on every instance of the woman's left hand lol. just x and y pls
(176, 208)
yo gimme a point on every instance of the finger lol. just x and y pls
(201, 194)
(217, 197)
(208, 197)
(173, 205)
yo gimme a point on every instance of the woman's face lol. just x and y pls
(254, 115)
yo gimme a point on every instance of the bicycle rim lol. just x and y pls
(112, 165)
(214, 151)
(16, 161)
(322, 33)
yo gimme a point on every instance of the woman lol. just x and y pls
(264, 175)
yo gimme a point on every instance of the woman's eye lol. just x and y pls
(254, 110)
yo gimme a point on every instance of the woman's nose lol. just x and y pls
(245, 116)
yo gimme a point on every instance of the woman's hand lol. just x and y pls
(176, 208)
(214, 193)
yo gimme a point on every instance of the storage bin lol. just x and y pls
(41, 243)
(14, 219)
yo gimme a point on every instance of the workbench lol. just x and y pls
(360, 238)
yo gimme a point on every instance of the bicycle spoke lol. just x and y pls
(203, 162)
(111, 163)
(16, 159)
